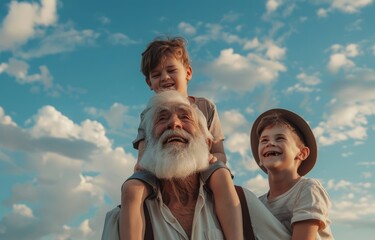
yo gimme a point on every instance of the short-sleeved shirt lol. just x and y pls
(306, 200)
(208, 109)
(205, 225)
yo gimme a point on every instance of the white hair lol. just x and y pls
(169, 97)
(175, 161)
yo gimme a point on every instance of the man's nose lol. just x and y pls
(270, 143)
(174, 122)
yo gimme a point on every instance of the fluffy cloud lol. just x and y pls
(340, 57)
(71, 168)
(306, 83)
(120, 39)
(348, 118)
(17, 30)
(187, 28)
(20, 70)
(348, 207)
(234, 72)
(63, 38)
(118, 117)
(258, 185)
(344, 6)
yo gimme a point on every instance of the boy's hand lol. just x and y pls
(211, 158)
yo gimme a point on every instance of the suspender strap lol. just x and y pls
(246, 220)
(149, 233)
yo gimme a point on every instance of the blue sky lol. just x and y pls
(71, 93)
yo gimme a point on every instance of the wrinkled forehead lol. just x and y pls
(170, 108)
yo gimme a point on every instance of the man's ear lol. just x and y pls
(149, 83)
(304, 153)
(189, 73)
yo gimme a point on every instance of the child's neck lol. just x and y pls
(281, 183)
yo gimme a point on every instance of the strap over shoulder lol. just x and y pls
(246, 220)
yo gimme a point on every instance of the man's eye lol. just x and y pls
(185, 116)
(263, 141)
(161, 119)
(155, 75)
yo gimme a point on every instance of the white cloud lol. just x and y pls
(23, 210)
(273, 5)
(187, 28)
(275, 52)
(347, 207)
(20, 70)
(306, 83)
(120, 39)
(76, 164)
(237, 73)
(237, 143)
(63, 38)
(17, 30)
(310, 80)
(322, 12)
(5, 119)
(339, 61)
(258, 185)
(232, 120)
(118, 118)
(350, 6)
(345, 122)
(253, 43)
(344, 6)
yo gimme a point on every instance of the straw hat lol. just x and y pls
(296, 121)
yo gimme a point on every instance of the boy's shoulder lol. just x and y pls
(202, 101)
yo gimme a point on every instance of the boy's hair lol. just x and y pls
(274, 119)
(161, 48)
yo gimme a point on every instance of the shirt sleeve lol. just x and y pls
(312, 203)
(213, 120)
(141, 131)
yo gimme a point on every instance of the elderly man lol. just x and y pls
(177, 149)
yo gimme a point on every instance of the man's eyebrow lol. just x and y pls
(162, 109)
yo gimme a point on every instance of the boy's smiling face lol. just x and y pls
(170, 74)
(280, 149)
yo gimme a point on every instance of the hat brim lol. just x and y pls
(297, 122)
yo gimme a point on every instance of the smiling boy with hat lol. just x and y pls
(284, 147)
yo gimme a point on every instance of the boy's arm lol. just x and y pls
(306, 230)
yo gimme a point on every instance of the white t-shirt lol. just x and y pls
(306, 200)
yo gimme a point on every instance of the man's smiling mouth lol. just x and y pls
(174, 139)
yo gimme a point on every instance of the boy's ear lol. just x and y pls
(149, 83)
(304, 153)
(189, 73)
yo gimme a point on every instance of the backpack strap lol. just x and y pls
(149, 233)
(246, 220)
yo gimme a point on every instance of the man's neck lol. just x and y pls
(180, 196)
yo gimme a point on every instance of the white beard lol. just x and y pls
(176, 160)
